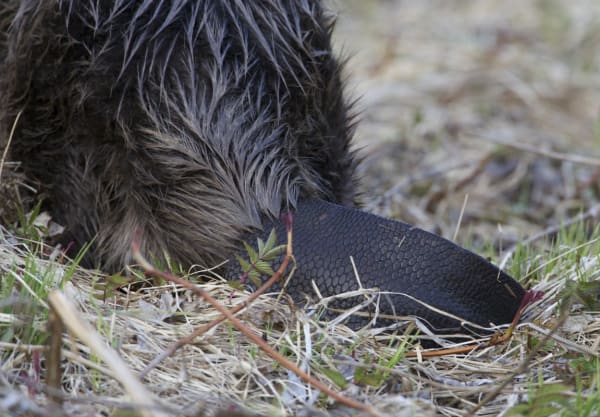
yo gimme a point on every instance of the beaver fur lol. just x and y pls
(188, 120)
(197, 122)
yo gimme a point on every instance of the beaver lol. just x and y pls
(198, 122)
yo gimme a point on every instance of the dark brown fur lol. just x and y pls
(189, 120)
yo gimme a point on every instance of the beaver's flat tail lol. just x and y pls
(419, 273)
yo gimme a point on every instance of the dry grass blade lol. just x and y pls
(135, 389)
(7, 146)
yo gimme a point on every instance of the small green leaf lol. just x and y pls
(251, 253)
(550, 390)
(589, 293)
(261, 245)
(118, 280)
(273, 253)
(364, 377)
(373, 380)
(235, 284)
(246, 267)
(271, 239)
(336, 377)
(254, 277)
(264, 268)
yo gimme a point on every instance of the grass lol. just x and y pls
(550, 370)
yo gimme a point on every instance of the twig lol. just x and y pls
(476, 172)
(205, 328)
(54, 371)
(434, 199)
(257, 340)
(530, 297)
(577, 159)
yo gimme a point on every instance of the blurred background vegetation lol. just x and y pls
(488, 106)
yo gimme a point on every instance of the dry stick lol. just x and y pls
(439, 195)
(476, 172)
(54, 371)
(205, 328)
(531, 296)
(575, 158)
(258, 341)
(76, 325)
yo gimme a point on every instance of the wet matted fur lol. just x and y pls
(188, 120)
